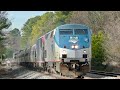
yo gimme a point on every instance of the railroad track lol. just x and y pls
(38, 75)
(25, 73)
(112, 74)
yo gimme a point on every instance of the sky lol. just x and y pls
(18, 18)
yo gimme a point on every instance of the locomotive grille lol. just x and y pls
(76, 61)
(84, 55)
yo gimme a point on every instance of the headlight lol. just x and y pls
(84, 51)
(76, 46)
(72, 46)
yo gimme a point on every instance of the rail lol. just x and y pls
(104, 73)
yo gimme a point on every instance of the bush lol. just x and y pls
(98, 50)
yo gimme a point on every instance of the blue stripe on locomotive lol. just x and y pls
(63, 40)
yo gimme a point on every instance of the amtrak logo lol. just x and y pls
(73, 39)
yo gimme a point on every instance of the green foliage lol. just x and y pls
(14, 42)
(98, 50)
(1, 38)
(42, 26)
(61, 17)
(2, 48)
(27, 29)
(9, 53)
(15, 32)
(4, 24)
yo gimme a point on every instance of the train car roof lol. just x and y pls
(45, 34)
(71, 26)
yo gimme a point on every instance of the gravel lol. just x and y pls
(19, 72)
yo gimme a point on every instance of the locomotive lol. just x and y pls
(65, 49)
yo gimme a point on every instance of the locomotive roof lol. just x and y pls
(65, 26)
(71, 25)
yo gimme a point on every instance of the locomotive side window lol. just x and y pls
(80, 31)
(66, 32)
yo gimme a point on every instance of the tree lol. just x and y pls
(12, 42)
(14, 39)
(4, 24)
(112, 30)
(61, 17)
(9, 52)
(42, 26)
(98, 50)
(15, 32)
(27, 29)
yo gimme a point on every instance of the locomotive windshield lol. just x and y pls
(66, 32)
(80, 31)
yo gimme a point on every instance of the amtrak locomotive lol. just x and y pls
(66, 49)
